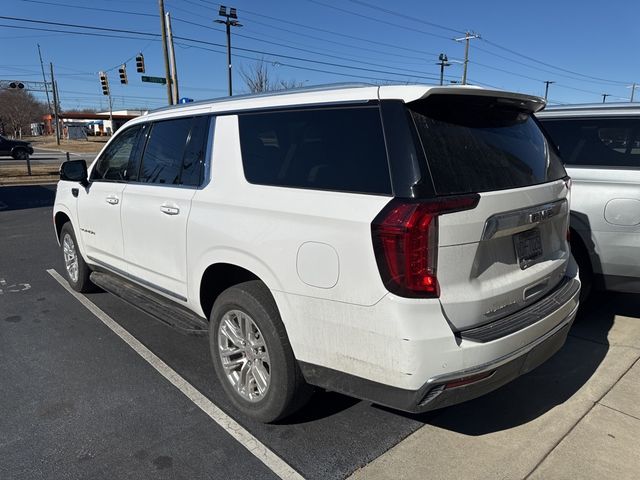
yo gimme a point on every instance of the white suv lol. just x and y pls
(401, 244)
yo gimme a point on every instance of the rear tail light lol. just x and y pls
(405, 241)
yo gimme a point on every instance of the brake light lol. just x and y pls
(405, 242)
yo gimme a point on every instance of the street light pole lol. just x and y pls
(604, 97)
(231, 20)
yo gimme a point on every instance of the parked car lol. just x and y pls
(600, 146)
(16, 148)
(400, 244)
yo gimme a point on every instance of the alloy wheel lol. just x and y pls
(244, 355)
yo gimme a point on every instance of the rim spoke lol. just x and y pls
(244, 355)
(243, 380)
(260, 376)
(232, 365)
(231, 332)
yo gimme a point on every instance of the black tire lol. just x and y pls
(287, 391)
(82, 283)
(581, 257)
(20, 154)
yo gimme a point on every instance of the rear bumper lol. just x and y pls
(457, 386)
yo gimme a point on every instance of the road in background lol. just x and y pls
(47, 157)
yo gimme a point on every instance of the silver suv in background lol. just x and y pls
(600, 146)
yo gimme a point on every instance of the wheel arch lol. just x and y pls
(216, 278)
(59, 219)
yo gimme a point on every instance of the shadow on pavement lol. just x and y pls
(26, 196)
(551, 384)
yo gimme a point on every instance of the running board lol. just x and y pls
(160, 308)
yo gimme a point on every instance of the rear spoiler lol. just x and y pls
(528, 103)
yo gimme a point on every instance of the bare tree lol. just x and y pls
(18, 109)
(259, 79)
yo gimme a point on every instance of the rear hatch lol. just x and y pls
(511, 249)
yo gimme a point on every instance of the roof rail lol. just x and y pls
(274, 93)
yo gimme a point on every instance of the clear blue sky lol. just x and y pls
(350, 40)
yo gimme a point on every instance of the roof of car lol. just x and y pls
(331, 94)
(591, 110)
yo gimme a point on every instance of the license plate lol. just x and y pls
(528, 247)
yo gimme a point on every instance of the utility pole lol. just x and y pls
(172, 59)
(444, 62)
(55, 104)
(44, 79)
(165, 53)
(467, 36)
(604, 97)
(546, 87)
(231, 20)
(633, 89)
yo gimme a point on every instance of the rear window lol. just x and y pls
(339, 149)
(605, 142)
(479, 144)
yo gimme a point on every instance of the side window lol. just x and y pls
(174, 154)
(113, 164)
(606, 142)
(193, 161)
(340, 149)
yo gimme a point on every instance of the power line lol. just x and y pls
(513, 52)
(80, 7)
(298, 48)
(406, 17)
(320, 62)
(96, 34)
(60, 24)
(298, 67)
(385, 22)
(537, 68)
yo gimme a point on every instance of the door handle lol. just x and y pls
(113, 200)
(169, 210)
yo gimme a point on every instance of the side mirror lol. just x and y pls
(75, 171)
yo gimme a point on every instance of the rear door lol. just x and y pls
(602, 155)
(157, 204)
(511, 249)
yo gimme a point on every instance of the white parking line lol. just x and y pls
(233, 428)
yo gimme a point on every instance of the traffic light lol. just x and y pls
(140, 63)
(104, 81)
(16, 85)
(123, 74)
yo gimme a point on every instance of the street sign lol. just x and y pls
(161, 80)
(185, 100)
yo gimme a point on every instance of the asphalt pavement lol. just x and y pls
(80, 402)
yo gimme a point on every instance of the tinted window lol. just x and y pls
(338, 149)
(478, 144)
(162, 159)
(193, 161)
(605, 142)
(113, 164)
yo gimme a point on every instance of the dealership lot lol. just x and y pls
(79, 402)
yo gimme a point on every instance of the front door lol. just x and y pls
(99, 205)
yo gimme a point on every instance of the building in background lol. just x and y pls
(91, 123)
